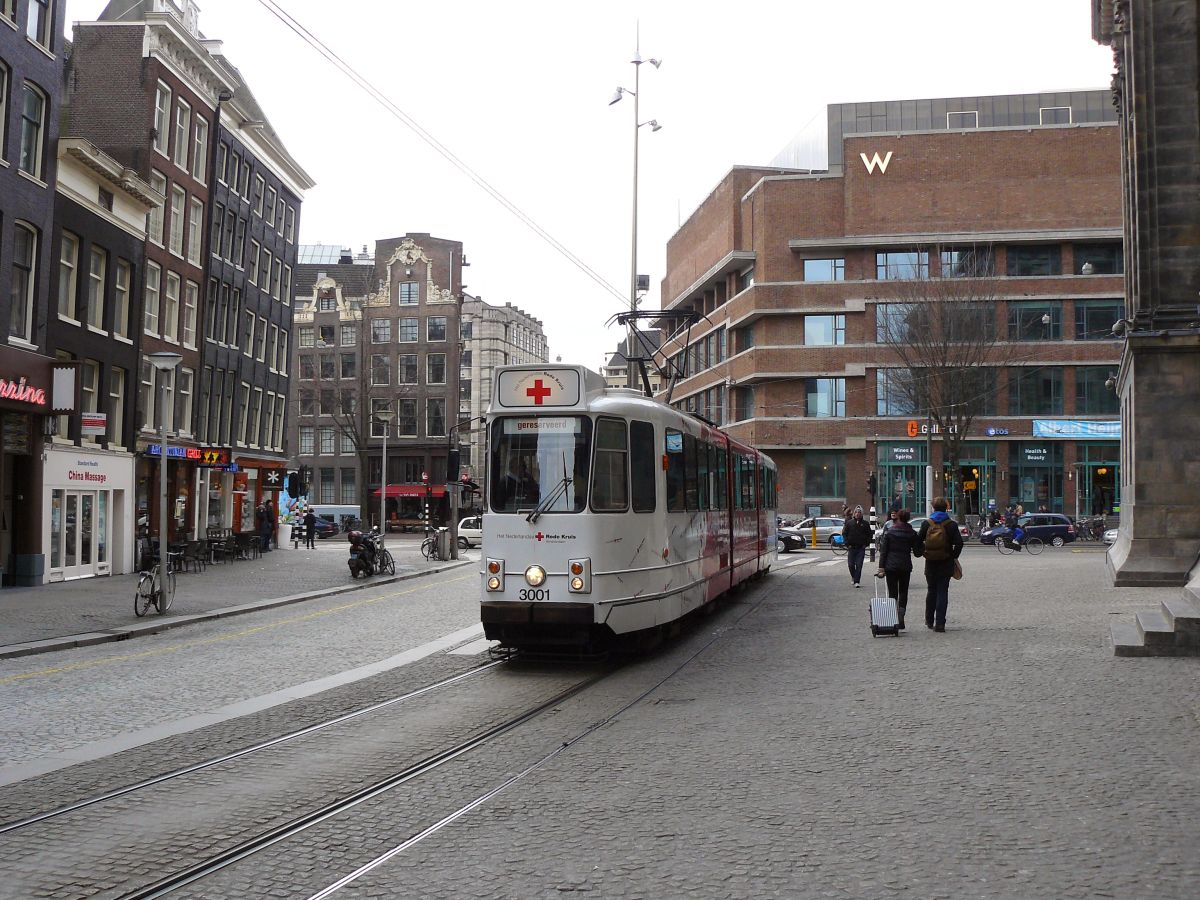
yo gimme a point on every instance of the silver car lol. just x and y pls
(1110, 536)
(827, 527)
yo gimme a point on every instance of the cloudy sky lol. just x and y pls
(519, 92)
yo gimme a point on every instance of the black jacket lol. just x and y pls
(940, 568)
(856, 532)
(896, 548)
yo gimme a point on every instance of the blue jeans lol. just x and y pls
(854, 559)
(937, 599)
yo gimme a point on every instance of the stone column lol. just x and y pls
(1157, 91)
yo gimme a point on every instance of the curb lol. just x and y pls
(125, 632)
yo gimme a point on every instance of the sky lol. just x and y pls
(520, 91)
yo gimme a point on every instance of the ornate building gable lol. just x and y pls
(408, 255)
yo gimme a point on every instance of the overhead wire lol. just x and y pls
(393, 109)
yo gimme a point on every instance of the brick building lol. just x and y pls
(147, 88)
(402, 340)
(1007, 208)
(31, 66)
(250, 256)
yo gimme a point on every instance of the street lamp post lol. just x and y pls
(631, 338)
(453, 476)
(385, 416)
(164, 361)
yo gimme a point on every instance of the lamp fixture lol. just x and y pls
(1087, 269)
(1120, 327)
(1046, 320)
(618, 94)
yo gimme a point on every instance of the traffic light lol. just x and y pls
(293, 484)
(452, 458)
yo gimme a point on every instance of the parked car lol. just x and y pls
(827, 527)
(1110, 536)
(790, 539)
(470, 532)
(325, 529)
(1051, 528)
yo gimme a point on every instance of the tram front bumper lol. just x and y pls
(537, 613)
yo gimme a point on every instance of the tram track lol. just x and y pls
(423, 833)
(38, 818)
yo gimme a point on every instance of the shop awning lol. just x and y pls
(411, 490)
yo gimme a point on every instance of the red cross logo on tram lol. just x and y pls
(538, 392)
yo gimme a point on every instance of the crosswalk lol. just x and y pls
(812, 561)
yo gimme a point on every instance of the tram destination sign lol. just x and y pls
(538, 387)
(543, 425)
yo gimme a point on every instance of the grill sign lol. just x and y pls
(539, 387)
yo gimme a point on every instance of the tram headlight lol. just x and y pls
(535, 576)
(495, 573)
(580, 576)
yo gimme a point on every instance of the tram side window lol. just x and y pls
(689, 475)
(610, 486)
(674, 448)
(747, 482)
(643, 464)
(762, 474)
(704, 451)
(722, 479)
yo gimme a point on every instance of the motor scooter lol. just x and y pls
(364, 552)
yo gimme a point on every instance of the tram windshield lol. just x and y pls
(532, 456)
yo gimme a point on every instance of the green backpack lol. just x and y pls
(937, 543)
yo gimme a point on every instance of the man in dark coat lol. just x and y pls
(939, 570)
(310, 529)
(856, 535)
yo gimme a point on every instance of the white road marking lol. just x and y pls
(833, 562)
(109, 746)
(480, 646)
(799, 562)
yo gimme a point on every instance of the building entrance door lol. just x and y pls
(75, 528)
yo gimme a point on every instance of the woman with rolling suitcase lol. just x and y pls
(895, 559)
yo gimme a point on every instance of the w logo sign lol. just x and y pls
(876, 161)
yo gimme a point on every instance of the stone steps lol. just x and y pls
(1171, 630)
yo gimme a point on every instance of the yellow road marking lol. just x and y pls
(74, 667)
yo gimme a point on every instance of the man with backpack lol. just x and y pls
(940, 543)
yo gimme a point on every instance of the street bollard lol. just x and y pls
(874, 526)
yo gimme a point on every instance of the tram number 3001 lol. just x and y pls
(535, 594)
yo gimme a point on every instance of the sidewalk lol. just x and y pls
(97, 610)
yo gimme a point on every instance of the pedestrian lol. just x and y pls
(896, 504)
(856, 535)
(310, 529)
(895, 560)
(267, 526)
(940, 543)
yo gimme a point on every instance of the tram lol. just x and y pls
(610, 516)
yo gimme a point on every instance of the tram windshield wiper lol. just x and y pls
(552, 496)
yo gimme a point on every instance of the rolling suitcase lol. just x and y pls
(885, 618)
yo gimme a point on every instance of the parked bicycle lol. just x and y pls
(155, 589)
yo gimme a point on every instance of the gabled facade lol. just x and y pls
(152, 92)
(31, 67)
(87, 488)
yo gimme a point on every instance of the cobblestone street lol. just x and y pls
(776, 749)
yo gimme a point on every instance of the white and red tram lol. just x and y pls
(610, 515)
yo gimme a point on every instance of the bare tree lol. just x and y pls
(945, 334)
